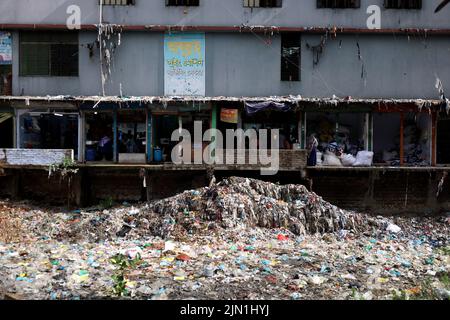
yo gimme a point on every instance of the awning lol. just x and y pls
(5, 116)
(253, 108)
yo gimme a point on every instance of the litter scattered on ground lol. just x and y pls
(239, 239)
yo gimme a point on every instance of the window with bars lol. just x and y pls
(187, 3)
(263, 3)
(403, 4)
(290, 57)
(117, 2)
(49, 54)
(338, 4)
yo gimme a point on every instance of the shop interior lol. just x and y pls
(6, 130)
(163, 126)
(443, 140)
(285, 122)
(49, 130)
(347, 130)
(99, 136)
(416, 138)
(131, 131)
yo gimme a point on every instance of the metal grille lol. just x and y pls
(338, 4)
(48, 54)
(193, 3)
(117, 2)
(403, 4)
(263, 3)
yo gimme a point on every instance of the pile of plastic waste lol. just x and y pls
(238, 239)
(254, 202)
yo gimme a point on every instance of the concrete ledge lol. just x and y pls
(34, 157)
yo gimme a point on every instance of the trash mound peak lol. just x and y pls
(253, 202)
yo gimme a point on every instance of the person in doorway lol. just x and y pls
(284, 141)
(312, 151)
(105, 146)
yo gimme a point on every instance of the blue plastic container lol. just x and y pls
(157, 155)
(90, 154)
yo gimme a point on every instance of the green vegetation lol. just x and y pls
(123, 264)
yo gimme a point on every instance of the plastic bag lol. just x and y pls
(319, 158)
(364, 159)
(330, 159)
(348, 160)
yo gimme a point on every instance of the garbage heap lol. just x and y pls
(252, 202)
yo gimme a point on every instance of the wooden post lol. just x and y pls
(433, 138)
(149, 181)
(16, 184)
(402, 139)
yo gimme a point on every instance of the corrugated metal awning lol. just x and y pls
(5, 116)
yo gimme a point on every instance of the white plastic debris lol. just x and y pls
(393, 228)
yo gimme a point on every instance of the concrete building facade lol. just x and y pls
(92, 76)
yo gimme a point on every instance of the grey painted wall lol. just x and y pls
(249, 65)
(294, 13)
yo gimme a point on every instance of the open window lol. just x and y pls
(48, 130)
(290, 57)
(403, 4)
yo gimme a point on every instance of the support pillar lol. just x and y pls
(402, 138)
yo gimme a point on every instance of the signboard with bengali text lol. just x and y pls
(184, 64)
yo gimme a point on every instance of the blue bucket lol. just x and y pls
(90, 154)
(157, 155)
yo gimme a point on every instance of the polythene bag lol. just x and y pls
(319, 158)
(364, 159)
(348, 160)
(330, 159)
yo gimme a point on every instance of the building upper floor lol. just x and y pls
(226, 64)
(394, 14)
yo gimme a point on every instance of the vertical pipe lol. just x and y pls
(149, 136)
(81, 137)
(214, 126)
(15, 130)
(303, 130)
(402, 138)
(433, 138)
(370, 136)
(115, 134)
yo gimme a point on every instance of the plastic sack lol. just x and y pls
(364, 159)
(319, 158)
(330, 159)
(348, 160)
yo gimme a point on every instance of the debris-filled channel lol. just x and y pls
(237, 239)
